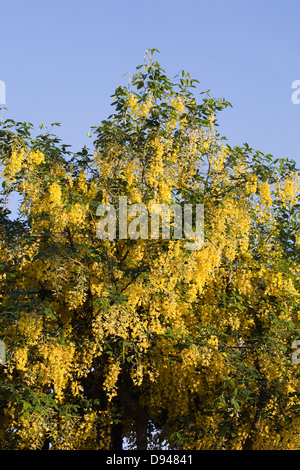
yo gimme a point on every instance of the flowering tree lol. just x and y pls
(139, 338)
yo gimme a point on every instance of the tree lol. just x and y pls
(141, 338)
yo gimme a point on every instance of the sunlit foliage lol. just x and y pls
(144, 339)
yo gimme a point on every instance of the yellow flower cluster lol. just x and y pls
(144, 108)
(110, 382)
(137, 109)
(205, 146)
(265, 192)
(20, 358)
(81, 182)
(288, 190)
(75, 298)
(76, 214)
(251, 184)
(22, 159)
(55, 194)
(30, 326)
(178, 104)
(56, 367)
(218, 160)
(132, 103)
(156, 170)
(14, 164)
(35, 157)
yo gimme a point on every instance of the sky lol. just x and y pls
(62, 60)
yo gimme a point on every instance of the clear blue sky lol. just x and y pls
(62, 60)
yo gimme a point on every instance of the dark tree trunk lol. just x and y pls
(131, 404)
(263, 398)
(141, 427)
(46, 445)
(116, 437)
(249, 442)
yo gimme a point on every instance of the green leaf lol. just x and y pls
(235, 403)
(222, 400)
(103, 302)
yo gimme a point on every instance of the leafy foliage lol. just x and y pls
(107, 337)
